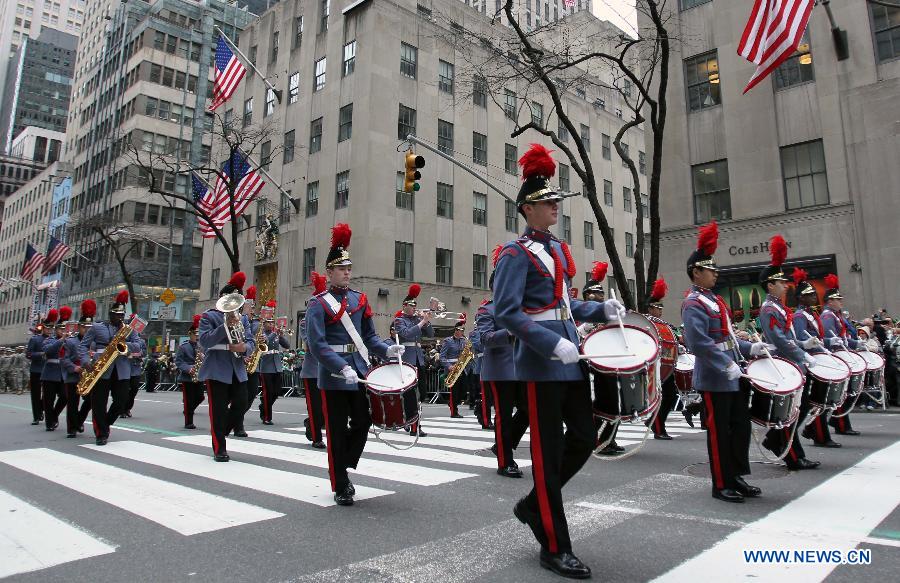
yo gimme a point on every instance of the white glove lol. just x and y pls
(613, 309)
(758, 348)
(733, 371)
(566, 351)
(864, 346)
(395, 350)
(808, 360)
(835, 343)
(350, 375)
(810, 343)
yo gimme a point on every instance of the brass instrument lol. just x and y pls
(198, 361)
(230, 305)
(261, 348)
(113, 350)
(465, 357)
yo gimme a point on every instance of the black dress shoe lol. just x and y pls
(35, 422)
(318, 444)
(510, 471)
(663, 436)
(421, 433)
(100, 441)
(127, 414)
(222, 457)
(829, 443)
(240, 433)
(688, 418)
(616, 447)
(609, 450)
(344, 497)
(528, 516)
(267, 422)
(488, 427)
(848, 432)
(745, 489)
(81, 429)
(728, 495)
(565, 565)
(456, 416)
(70, 435)
(803, 464)
(309, 435)
(190, 426)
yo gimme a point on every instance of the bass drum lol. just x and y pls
(668, 348)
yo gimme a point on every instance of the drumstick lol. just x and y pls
(612, 293)
(758, 338)
(590, 356)
(365, 382)
(759, 380)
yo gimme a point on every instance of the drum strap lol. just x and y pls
(538, 250)
(347, 323)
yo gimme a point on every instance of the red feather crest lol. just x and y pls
(52, 316)
(537, 162)
(398, 314)
(831, 281)
(238, 279)
(708, 239)
(270, 304)
(660, 289)
(495, 256)
(122, 297)
(195, 323)
(65, 313)
(88, 308)
(318, 282)
(799, 275)
(251, 293)
(778, 250)
(414, 291)
(598, 273)
(340, 235)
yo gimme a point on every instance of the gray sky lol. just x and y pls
(619, 12)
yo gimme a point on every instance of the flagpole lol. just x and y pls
(265, 172)
(246, 61)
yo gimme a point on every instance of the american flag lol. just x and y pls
(569, 3)
(33, 262)
(56, 250)
(772, 34)
(216, 203)
(229, 72)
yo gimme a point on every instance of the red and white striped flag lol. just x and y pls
(33, 262)
(56, 251)
(229, 72)
(772, 34)
(217, 202)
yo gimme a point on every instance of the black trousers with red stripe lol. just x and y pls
(134, 383)
(842, 424)
(101, 417)
(54, 402)
(227, 404)
(484, 404)
(315, 419)
(777, 438)
(252, 389)
(821, 433)
(508, 427)
(270, 383)
(75, 415)
(669, 396)
(459, 392)
(37, 403)
(727, 436)
(191, 397)
(347, 423)
(557, 456)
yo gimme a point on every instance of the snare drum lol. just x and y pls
(393, 403)
(635, 370)
(874, 369)
(776, 388)
(829, 381)
(684, 373)
(668, 348)
(857, 366)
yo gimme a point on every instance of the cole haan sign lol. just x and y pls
(761, 247)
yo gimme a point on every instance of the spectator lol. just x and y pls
(892, 366)
(151, 373)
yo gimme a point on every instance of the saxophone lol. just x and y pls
(465, 357)
(198, 361)
(113, 350)
(261, 348)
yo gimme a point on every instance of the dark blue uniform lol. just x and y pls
(71, 364)
(191, 392)
(34, 352)
(484, 400)
(136, 359)
(309, 376)
(270, 367)
(838, 328)
(253, 382)
(52, 378)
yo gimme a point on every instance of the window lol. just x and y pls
(403, 260)
(153, 215)
(600, 104)
(342, 189)
(323, 19)
(345, 123)
(702, 79)
(563, 172)
(607, 193)
(588, 235)
(626, 199)
(284, 212)
(140, 210)
(288, 156)
(479, 92)
(537, 114)
(405, 200)
(586, 137)
(214, 283)
(567, 228)
(319, 79)
(298, 31)
(642, 162)
(409, 57)
(248, 112)
(886, 25)
(309, 263)
(265, 154)
(562, 132)
(312, 199)
(509, 103)
(712, 197)
(273, 48)
(445, 136)
(797, 68)
(479, 208)
(805, 181)
(294, 87)
(443, 266)
(685, 4)
(629, 245)
(251, 55)
(511, 216)
(479, 148)
(606, 147)
(445, 76)
(445, 200)
(510, 159)
(349, 58)
(270, 103)
(315, 135)
(406, 122)
(479, 271)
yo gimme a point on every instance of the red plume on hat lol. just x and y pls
(52, 316)
(65, 313)
(270, 304)
(318, 282)
(778, 250)
(340, 235)
(251, 293)
(88, 308)
(799, 275)
(831, 281)
(238, 279)
(598, 273)
(122, 297)
(495, 255)
(537, 162)
(660, 289)
(708, 239)
(195, 323)
(414, 291)
(398, 313)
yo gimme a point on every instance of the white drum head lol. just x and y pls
(873, 361)
(685, 362)
(394, 377)
(608, 345)
(641, 321)
(775, 375)
(856, 362)
(829, 368)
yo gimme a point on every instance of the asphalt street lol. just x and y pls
(153, 506)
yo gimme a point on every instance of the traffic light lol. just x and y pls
(413, 163)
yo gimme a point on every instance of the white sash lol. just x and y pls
(537, 249)
(347, 323)
(714, 306)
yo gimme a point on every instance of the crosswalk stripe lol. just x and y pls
(469, 444)
(434, 429)
(31, 539)
(185, 510)
(397, 472)
(287, 484)
(476, 430)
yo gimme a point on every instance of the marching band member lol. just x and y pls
(223, 370)
(34, 352)
(270, 365)
(411, 328)
(708, 334)
(253, 382)
(115, 381)
(485, 400)
(451, 349)
(136, 359)
(71, 364)
(341, 336)
(531, 295)
(309, 375)
(186, 363)
(52, 376)
(839, 334)
(669, 390)
(776, 321)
